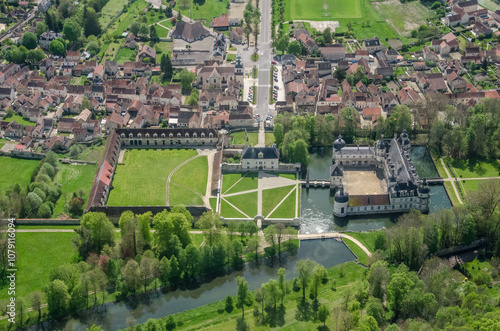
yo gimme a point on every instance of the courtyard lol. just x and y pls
(364, 182)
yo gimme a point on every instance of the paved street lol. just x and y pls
(264, 63)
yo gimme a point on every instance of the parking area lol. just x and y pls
(279, 84)
(247, 84)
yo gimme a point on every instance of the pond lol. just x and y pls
(112, 316)
(317, 203)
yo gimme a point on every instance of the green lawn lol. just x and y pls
(270, 198)
(161, 48)
(287, 208)
(403, 17)
(229, 180)
(205, 12)
(141, 179)
(197, 239)
(231, 57)
(474, 168)
(489, 4)
(161, 31)
(37, 255)
(91, 153)
(289, 176)
(269, 138)
(341, 277)
(78, 80)
(191, 177)
(247, 203)
(41, 226)
(226, 210)
(110, 10)
(451, 193)
(155, 15)
(439, 166)
(213, 203)
(19, 119)
(366, 238)
(362, 256)
(248, 181)
(125, 54)
(110, 51)
(72, 178)
(16, 171)
(239, 138)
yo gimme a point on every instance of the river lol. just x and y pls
(317, 203)
(112, 316)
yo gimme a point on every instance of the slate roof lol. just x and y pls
(267, 153)
(189, 31)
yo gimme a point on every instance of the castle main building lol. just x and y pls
(388, 162)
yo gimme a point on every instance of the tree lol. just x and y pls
(102, 230)
(270, 237)
(93, 48)
(146, 271)
(256, 30)
(153, 36)
(187, 79)
(244, 296)
(294, 48)
(229, 304)
(35, 299)
(71, 31)
(319, 273)
(29, 40)
(251, 228)
(168, 12)
(253, 245)
(35, 56)
(278, 134)
(57, 298)
(20, 309)
(41, 27)
(304, 269)
(56, 47)
(300, 154)
(247, 30)
(282, 284)
(323, 313)
(134, 28)
(282, 43)
(131, 276)
(398, 287)
(91, 26)
(211, 225)
(327, 36)
(166, 67)
(272, 292)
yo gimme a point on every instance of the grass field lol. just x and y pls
(125, 19)
(125, 54)
(270, 198)
(362, 256)
(403, 17)
(161, 48)
(191, 177)
(247, 203)
(474, 168)
(16, 171)
(321, 10)
(246, 182)
(239, 138)
(489, 4)
(451, 193)
(141, 179)
(366, 238)
(287, 208)
(110, 10)
(213, 203)
(78, 80)
(197, 239)
(269, 138)
(108, 52)
(161, 31)
(226, 210)
(72, 178)
(207, 317)
(205, 12)
(228, 180)
(19, 119)
(37, 255)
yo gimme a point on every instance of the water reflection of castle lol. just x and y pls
(392, 159)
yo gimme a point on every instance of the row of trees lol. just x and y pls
(251, 22)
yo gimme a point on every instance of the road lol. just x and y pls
(264, 63)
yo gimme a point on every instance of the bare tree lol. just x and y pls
(35, 299)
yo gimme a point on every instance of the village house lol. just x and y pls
(333, 53)
(189, 31)
(147, 52)
(220, 23)
(45, 38)
(373, 45)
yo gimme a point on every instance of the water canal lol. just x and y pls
(112, 316)
(317, 203)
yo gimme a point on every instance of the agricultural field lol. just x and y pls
(37, 255)
(16, 171)
(403, 17)
(141, 178)
(72, 178)
(110, 10)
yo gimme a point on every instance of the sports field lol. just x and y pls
(141, 179)
(324, 10)
(72, 178)
(16, 171)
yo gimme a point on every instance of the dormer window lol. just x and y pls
(195, 135)
(147, 135)
(139, 135)
(186, 135)
(203, 135)
(163, 135)
(260, 155)
(171, 135)
(155, 135)
(130, 135)
(122, 135)
(178, 135)
(211, 135)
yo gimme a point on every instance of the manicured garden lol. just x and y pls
(37, 255)
(226, 210)
(244, 182)
(72, 178)
(141, 179)
(239, 138)
(188, 180)
(287, 207)
(271, 198)
(16, 171)
(247, 203)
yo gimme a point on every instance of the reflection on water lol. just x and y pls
(317, 203)
(113, 316)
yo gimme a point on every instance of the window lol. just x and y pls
(155, 135)
(147, 136)
(171, 135)
(178, 135)
(130, 135)
(139, 135)
(163, 135)
(122, 135)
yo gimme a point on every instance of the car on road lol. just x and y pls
(276, 87)
(274, 62)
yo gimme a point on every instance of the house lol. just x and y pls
(45, 38)
(384, 69)
(473, 54)
(220, 23)
(480, 29)
(219, 48)
(260, 158)
(452, 19)
(241, 120)
(235, 35)
(98, 75)
(306, 41)
(437, 83)
(430, 55)
(44, 5)
(115, 121)
(333, 53)
(215, 76)
(59, 143)
(147, 52)
(11, 129)
(373, 45)
(189, 31)
(130, 41)
(111, 68)
(407, 96)
(456, 83)
(493, 54)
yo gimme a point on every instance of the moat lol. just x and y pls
(317, 203)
